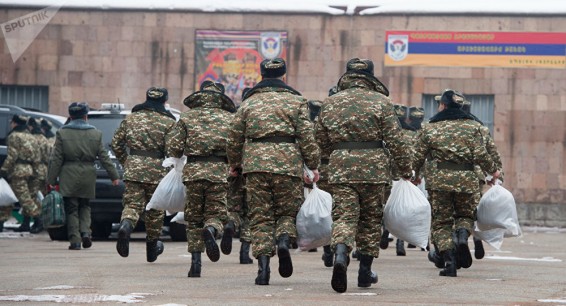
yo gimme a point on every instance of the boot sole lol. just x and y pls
(226, 243)
(464, 256)
(212, 250)
(479, 252)
(285, 263)
(123, 244)
(339, 278)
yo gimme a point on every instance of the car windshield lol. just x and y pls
(108, 125)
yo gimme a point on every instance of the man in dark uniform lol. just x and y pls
(353, 127)
(77, 145)
(270, 139)
(143, 133)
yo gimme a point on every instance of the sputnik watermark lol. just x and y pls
(19, 33)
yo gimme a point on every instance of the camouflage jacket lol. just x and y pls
(492, 151)
(142, 130)
(272, 108)
(44, 151)
(361, 112)
(453, 137)
(23, 153)
(202, 131)
(410, 138)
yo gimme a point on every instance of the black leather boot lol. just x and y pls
(366, 276)
(245, 253)
(449, 257)
(327, 256)
(384, 241)
(401, 247)
(1, 226)
(123, 243)
(226, 242)
(435, 257)
(209, 236)
(87, 240)
(479, 252)
(339, 280)
(195, 265)
(285, 263)
(356, 254)
(263, 270)
(24, 227)
(152, 249)
(37, 226)
(464, 255)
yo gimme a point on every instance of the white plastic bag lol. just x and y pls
(7, 196)
(314, 220)
(180, 218)
(407, 214)
(170, 193)
(497, 209)
(493, 237)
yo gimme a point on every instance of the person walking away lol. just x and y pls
(39, 178)
(270, 139)
(139, 145)
(71, 166)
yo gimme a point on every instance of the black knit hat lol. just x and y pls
(273, 68)
(357, 64)
(46, 124)
(78, 109)
(157, 94)
(20, 119)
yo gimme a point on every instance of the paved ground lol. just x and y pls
(36, 271)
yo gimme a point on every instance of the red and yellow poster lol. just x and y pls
(475, 49)
(233, 57)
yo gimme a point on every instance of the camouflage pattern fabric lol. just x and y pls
(39, 181)
(458, 141)
(492, 151)
(357, 215)
(450, 211)
(6, 212)
(77, 211)
(205, 206)
(272, 111)
(274, 201)
(142, 130)
(135, 198)
(238, 211)
(23, 156)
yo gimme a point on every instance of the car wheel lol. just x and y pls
(177, 231)
(101, 230)
(58, 234)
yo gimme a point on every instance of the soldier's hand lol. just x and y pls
(316, 175)
(115, 182)
(416, 181)
(235, 171)
(495, 175)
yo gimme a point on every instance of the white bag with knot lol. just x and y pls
(314, 220)
(497, 210)
(407, 214)
(170, 193)
(180, 218)
(7, 196)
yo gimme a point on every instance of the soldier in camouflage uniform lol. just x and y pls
(143, 133)
(270, 139)
(200, 134)
(353, 126)
(71, 165)
(22, 158)
(454, 143)
(40, 173)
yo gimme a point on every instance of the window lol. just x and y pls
(29, 97)
(482, 107)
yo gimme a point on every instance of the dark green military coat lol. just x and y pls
(77, 145)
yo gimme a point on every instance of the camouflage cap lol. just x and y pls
(157, 94)
(34, 122)
(20, 119)
(210, 91)
(273, 68)
(78, 109)
(450, 96)
(357, 64)
(400, 110)
(416, 112)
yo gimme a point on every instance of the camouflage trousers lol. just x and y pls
(38, 184)
(135, 199)
(238, 208)
(357, 214)
(274, 201)
(23, 189)
(77, 211)
(6, 212)
(450, 211)
(205, 205)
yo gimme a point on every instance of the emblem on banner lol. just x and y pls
(398, 46)
(270, 46)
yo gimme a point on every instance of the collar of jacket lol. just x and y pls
(78, 124)
(277, 84)
(154, 106)
(451, 114)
